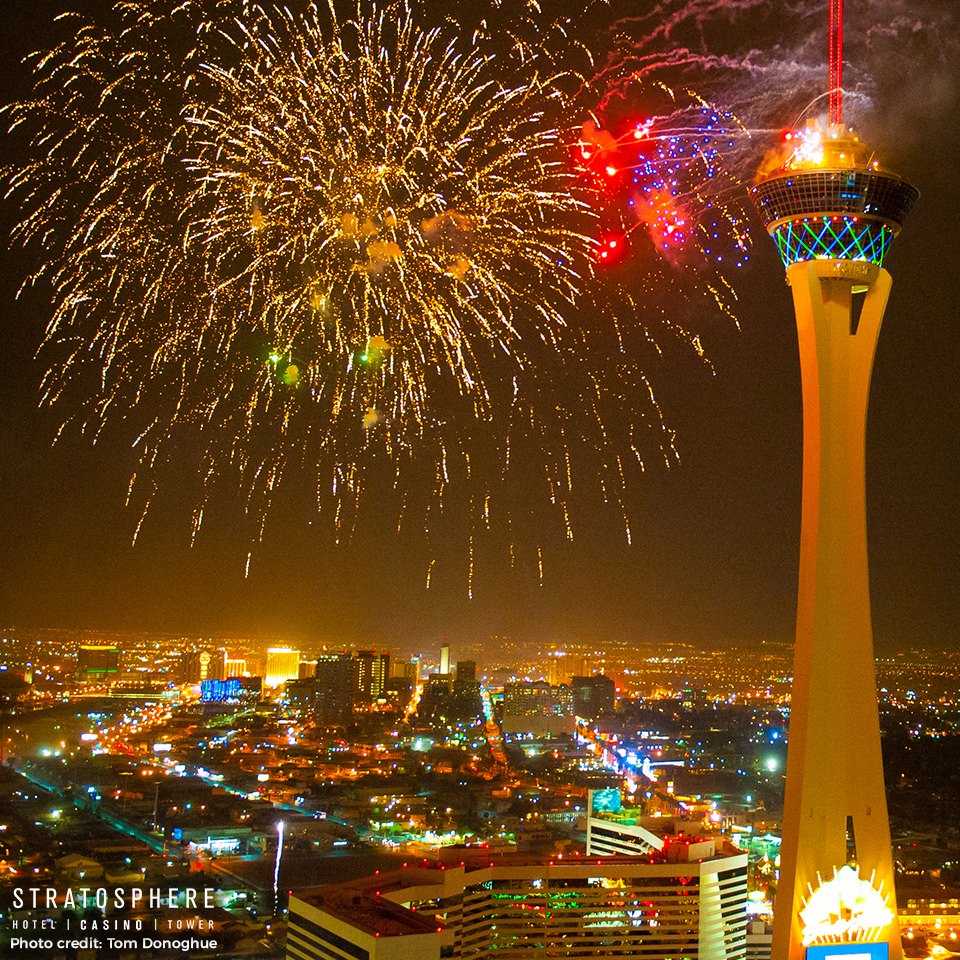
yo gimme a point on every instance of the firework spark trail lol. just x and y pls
(282, 242)
(672, 171)
(758, 60)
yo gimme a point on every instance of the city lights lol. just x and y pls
(402, 482)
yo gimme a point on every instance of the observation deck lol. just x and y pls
(832, 201)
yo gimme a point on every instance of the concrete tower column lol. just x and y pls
(835, 807)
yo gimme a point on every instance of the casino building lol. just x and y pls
(684, 900)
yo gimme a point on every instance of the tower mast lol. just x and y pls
(835, 64)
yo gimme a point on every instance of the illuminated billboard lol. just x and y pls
(605, 801)
(847, 951)
(231, 690)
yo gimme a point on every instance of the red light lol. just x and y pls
(612, 249)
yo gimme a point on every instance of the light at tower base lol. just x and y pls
(833, 213)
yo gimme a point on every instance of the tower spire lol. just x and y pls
(835, 63)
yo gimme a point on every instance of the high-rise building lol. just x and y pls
(409, 670)
(592, 696)
(398, 693)
(833, 213)
(467, 701)
(537, 710)
(436, 700)
(208, 663)
(373, 671)
(671, 903)
(445, 660)
(334, 689)
(98, 661)
(561, 665)
(466, 671)
(404, 677)
(283, 664)
(556, 670)
(234, 667)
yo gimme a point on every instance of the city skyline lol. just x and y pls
(689, 749)
(713, 558)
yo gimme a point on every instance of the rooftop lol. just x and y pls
(369, 904)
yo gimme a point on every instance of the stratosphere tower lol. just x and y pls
(833, 212)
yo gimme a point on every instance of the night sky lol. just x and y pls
(714, 555)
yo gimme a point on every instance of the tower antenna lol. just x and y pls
(835, 58)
